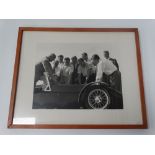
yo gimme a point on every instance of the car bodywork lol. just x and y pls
(73, 96)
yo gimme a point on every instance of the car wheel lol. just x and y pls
(96, 97)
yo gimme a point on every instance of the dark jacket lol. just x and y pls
(42, 67)
(114, 61)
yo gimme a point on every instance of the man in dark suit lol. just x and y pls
(44, 67)
(114, 61)
(74, 74)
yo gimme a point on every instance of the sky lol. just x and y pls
(76, 49)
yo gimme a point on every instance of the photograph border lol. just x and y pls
(10, 124)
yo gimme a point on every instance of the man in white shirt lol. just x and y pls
(91, 68)
(57, 72)
(108, 68)
(61, 62)
(114, 61)
(66, 71)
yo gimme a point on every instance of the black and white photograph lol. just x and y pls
(77, 76)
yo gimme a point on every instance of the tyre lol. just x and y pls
(96, 97)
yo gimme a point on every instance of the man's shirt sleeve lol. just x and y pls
(100, 70)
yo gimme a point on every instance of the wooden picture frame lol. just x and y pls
(90, 125)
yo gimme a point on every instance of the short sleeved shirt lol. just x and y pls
(66, 70)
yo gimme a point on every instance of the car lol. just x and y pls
(94, 95)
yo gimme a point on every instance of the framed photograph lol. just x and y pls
(77, 78)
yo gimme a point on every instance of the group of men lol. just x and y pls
(79, 71)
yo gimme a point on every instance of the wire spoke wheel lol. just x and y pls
(98, 99)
